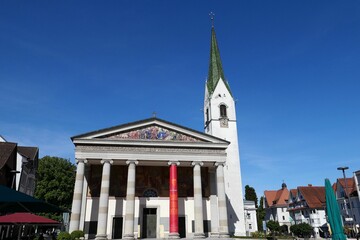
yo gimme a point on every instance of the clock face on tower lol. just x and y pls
(224, 122)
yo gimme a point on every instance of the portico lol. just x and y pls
(149, 179)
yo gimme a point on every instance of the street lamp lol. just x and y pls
(347, 195)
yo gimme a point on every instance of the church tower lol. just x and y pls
(220, 121)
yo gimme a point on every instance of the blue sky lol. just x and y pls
(69, 67)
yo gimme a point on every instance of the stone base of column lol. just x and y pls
(199, 235)
(101, 237)
(129, 236)
(174, 235)
(224, 235)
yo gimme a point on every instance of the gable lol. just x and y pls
(152, 129)
(269, 197)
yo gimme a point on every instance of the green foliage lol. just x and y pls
(64, 236)
(273, 226)
(257, 234)
(260, 213)
(55, 182)
(77, 234)
(301, 230)
(250, 195)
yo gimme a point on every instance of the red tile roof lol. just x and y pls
(276, 198)
(293, 192)
(350, 182)
(313, 195)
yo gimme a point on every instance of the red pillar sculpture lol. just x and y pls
(174, 219)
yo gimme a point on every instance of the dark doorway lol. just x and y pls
(117, 228)
(149, 223)
(182, 228)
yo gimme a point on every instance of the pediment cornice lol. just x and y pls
(151, 131)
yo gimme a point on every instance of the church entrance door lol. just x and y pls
(149, 223)
(117, 228)
(182, 228)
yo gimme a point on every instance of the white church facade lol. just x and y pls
(157, 179)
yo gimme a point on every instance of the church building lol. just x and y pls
(157, 179)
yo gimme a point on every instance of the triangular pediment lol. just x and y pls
(152, 129)
(152, 132)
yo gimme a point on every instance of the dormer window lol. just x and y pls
(223, 113)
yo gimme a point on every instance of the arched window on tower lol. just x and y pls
(223, 113)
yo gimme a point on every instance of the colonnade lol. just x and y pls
(130, 200)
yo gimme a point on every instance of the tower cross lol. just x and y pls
(212, 16)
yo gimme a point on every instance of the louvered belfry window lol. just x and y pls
(223, 113)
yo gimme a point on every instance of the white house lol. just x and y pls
(307, 205)
(250, 217)
(275, 204)
(348, 202)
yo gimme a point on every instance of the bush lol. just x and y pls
(302, 230)
(64, 236)
(77, 234)
(273, 226)
(257, 234)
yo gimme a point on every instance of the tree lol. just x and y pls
(55, 182)
(260, 214)
(302, 230)
(250, 195)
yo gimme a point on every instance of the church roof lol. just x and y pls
(216, 71)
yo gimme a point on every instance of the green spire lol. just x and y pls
(215, 67)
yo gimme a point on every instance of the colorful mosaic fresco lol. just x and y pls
(155, 133)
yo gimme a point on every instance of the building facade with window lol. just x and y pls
(157, 179)
(275, 205)
(250, 217)
(348, 201)
(307, 205)
(18, 166)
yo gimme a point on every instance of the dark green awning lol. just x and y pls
(12, 201)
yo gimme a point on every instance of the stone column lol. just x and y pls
(214, 209)
(198, 207)
(104, 200)
(173, 192)
(77, 198)
(130, 200)
(223, 217)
